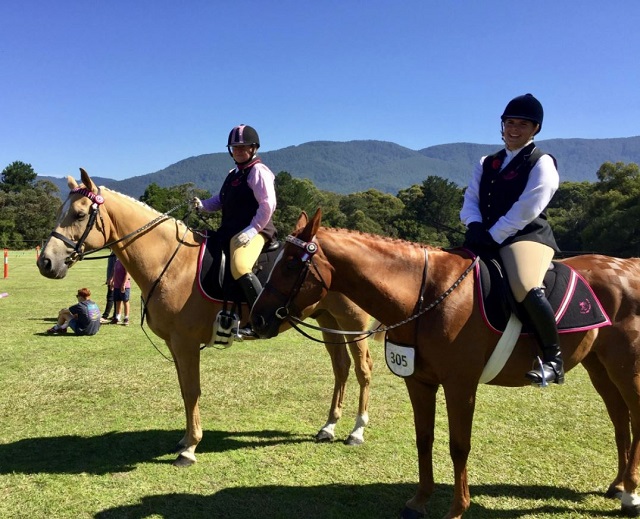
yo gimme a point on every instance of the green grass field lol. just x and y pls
(87, 425)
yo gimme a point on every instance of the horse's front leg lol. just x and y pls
(460, 397)
(187, 359)
(423, 401)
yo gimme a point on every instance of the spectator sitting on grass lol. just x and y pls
(83, 318)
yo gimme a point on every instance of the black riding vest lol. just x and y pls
(499, 190)
(239, 205)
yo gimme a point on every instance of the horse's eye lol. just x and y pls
(292, 264)
(81, 215)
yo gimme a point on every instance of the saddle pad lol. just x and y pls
(210, 263)
(574, 303)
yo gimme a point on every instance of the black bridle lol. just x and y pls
(306, 262)
(78, 253)
(94, 213)
(284, 313)
(287, 311)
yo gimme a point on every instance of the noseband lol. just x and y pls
(78, 247)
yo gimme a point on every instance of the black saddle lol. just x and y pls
(574, 303)
(214, 272)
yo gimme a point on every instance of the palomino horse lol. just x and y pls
(452, 342)
(161, 255)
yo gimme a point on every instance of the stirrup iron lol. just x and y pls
(544, 382)
(223, 328)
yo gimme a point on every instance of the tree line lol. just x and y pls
(600, 217)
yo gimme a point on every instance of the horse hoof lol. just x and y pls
(613, 493)
(630, 511)
(323, 437)
(182, 462)
(409, 513)
(352, 441)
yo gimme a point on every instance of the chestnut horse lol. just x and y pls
(161, 254)
(452, 342)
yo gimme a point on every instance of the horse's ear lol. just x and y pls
(86, 180)
(71, 182)
(313, 225)
(309, 227)
(303, 219)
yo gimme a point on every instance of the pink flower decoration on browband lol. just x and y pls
(96, 199)
(309, 247)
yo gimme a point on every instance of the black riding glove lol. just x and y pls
(474, 234)
(478, 236)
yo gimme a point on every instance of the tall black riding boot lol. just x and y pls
(251, 287)
(544, 324)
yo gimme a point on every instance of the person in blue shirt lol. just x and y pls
(83, 317)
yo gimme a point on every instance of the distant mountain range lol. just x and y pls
(349, 167)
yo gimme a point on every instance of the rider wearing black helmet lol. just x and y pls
(524, 107)
(503, 210)
(247, 199)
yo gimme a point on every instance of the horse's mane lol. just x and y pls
(379, 237)
(139, 202)
(142, 204)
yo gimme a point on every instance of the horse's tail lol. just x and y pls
(378, 336)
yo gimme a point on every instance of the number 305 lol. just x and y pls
(398, 359)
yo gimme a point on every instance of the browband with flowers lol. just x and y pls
(97, 199)
(309, 247)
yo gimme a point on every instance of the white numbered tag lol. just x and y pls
(400, 359)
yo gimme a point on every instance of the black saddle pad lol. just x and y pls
(214, 272)
(576, 306)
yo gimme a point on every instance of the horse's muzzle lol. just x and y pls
(50, 269)
(264, 328)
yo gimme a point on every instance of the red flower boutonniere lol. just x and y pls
(496, 164)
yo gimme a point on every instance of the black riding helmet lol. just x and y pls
(524, 107)
(243, 135)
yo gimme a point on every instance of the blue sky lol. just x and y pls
(125, 88)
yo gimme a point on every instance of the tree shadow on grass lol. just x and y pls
(372, 501)
(121, 451)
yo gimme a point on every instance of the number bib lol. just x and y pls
(400, 359)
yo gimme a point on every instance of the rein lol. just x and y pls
(310, 249)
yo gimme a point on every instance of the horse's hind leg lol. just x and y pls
(363, 368)
(347, 316)
(187, 359)
(622, 373)
(619, 415)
